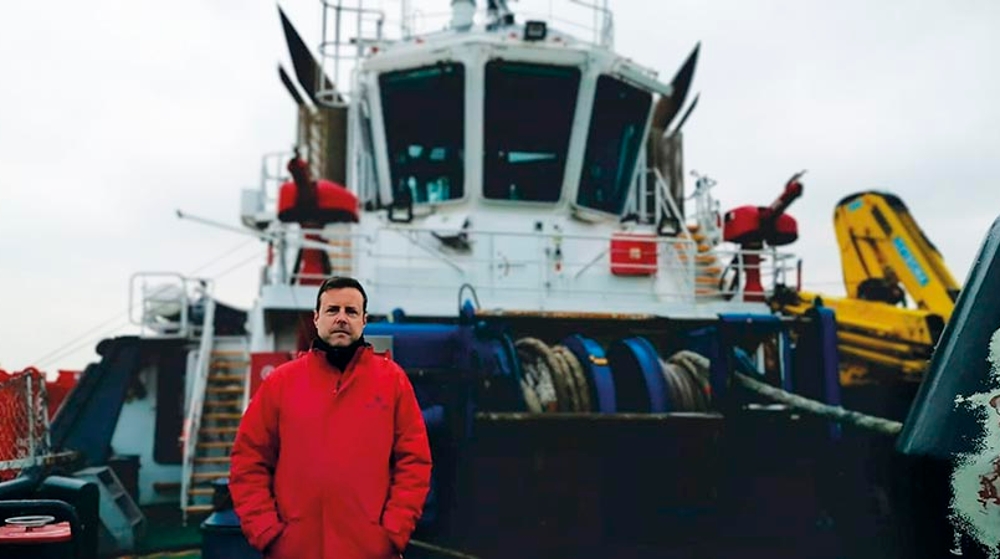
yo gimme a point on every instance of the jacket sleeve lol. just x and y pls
(252, 463)
(411, 467)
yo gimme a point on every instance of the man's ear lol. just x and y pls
(364, 318)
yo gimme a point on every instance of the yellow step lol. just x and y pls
(224, 379)
(200, 491)
(198, 509)
(216, 444)
(224, 390)
(223, 403)
(223, 416)
(211, 460)
(218, 430)
(210, 475)
(229, 365)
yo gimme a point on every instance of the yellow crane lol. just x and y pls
(899, 291)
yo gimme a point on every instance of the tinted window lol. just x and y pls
(424, 111)
(613, 143)
(529, 114)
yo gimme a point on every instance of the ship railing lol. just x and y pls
(192, 423)
(586, 21)
(350, 30)
(730, 268)
(24, 431)
(273, 173)
(167, 304)
(678, 268)
(707, 215)
(602, 25)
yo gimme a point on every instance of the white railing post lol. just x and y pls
(193, 422)
(29, 402)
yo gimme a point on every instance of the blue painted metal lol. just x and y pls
(595, 365)
(88, 417)
(636, 365)
(734, 329)
(433, 417)
(787, 362)
(817, 361)
(705, 341)
(493, 360)
(221, 536)
(422, 346)
(826, 324)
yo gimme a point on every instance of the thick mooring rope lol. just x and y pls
(836, 413)
(554, 380)
(441, 551)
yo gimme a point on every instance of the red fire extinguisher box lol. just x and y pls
(633, 254)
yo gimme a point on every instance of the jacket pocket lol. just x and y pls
(290, 544)
(375, 542)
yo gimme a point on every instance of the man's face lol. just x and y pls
(340, 319)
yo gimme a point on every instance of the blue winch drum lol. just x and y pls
(591, 356)
(638, 376)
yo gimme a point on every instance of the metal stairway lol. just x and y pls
(708, 269)
(213, 431)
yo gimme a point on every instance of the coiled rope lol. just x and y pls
(554, 380)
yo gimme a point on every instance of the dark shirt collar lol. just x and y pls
(339, 357)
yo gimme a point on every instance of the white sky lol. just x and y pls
(113, 114)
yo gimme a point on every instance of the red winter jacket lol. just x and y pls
(346, 455)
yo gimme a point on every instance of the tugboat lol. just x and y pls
(512, 198)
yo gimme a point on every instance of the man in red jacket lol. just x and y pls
(331, 460)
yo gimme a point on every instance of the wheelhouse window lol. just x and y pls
(424, 110)
(529, 115)
(613, 143)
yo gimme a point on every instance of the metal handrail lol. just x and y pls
(331, 51)
(606, 27)
(675, 256)
(192, 423)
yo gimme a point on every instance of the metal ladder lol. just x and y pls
(222, 408)
(214, 410)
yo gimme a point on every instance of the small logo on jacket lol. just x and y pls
(377, 402)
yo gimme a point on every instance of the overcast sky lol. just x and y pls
(113, 114)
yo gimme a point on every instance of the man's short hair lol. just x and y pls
(342, 282)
